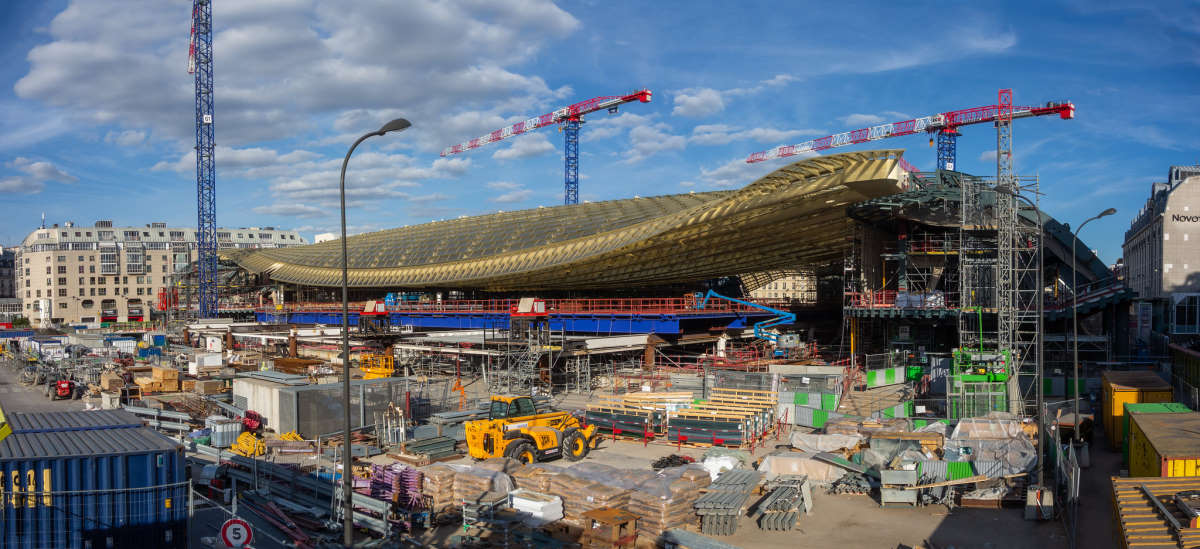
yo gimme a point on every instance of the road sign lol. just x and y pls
(236, 533)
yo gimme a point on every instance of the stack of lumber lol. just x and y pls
(111, 381)
(730, 417)
(167, 378)
(438, 486)
(635, 413)
(209, 387)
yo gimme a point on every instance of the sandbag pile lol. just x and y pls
(536, 477)
(438, 486)
(667, 501)
(473, 484)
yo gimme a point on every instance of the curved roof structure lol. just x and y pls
(792, 217)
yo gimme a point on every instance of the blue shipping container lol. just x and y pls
(90, 479)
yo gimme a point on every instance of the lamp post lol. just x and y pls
(347, 456)
(1039, 365)
(1075, 317)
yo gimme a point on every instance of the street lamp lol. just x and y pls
(1039, 373)
(1075, 316)
(396, 125)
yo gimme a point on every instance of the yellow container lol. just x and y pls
(1129, 387)
(1164, 445)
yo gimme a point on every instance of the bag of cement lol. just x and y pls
(472, 482)
(590, 470)
(535, 476)
(502, 464)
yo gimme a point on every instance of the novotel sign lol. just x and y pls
(1188, 218)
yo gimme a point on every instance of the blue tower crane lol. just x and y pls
(200, 65)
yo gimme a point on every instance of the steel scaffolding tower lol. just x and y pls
(200, 64)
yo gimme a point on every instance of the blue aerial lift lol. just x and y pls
(781, 317)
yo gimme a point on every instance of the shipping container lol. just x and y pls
(1124, 387)
(1145, 408)
(90, 479)
(1164, 445)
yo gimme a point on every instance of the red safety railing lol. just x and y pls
(871, 299)
(651, 305)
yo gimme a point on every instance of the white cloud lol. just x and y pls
(721, 134)
(701, 102)
(737, 173)
(697, 103)
(603, 128)
(127, 138)
(35, 176)
(21, 185)
(503, 185)
(647, 141)
(525, 146)
(42, 171)
(518, 195)
(288, 64)
(859, 119)
(293, 210)
(988, 156)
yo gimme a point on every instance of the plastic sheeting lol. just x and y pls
(813, 443)
(1001, 441)
(799, 464)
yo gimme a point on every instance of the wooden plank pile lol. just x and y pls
(730, 417)
(640, 414)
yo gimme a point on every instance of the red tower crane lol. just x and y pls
(945, 125)
(571, 117)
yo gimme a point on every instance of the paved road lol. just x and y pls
(15, 397)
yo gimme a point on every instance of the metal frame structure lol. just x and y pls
(792, 217)
(200, 64)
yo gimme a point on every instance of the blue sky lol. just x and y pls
(96, 118)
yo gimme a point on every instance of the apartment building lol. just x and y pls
(8, 277)
(1161, 262)
(102, 273)
(800, 287)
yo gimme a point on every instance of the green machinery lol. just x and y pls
(978, 382)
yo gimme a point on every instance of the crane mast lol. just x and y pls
(200, 65)
(571, 118)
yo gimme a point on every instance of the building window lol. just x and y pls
(81, 257)
(62, 305)
(91, 291)
(62, 269)
(81, 269)
(39, 293)
(87, 304)
(102, 291)
(91, 268)
(62, 281)
(62, 258)
(62, 292)
(47, 270)
(81, 292)
(101, 279)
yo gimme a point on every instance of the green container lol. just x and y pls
(829, 402)
(959, 470)
(800, 399)
(1145, 408)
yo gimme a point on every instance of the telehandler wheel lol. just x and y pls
(575, 446)
(522, 451)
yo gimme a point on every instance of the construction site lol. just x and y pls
(597, 373)
(847, 351)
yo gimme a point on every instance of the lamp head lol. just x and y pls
(1109, 211)
(394, 126)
